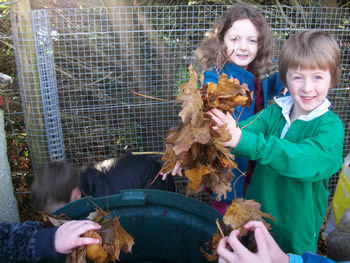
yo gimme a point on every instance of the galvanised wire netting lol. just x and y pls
(79, 103)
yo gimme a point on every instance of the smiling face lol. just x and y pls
(309, 88)
(242, 37)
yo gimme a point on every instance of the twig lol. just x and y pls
(219, 228)
(153, 98)
(84, 194)
(234, 184)
(155, 178)
(223, 64)
(239, 116)
(141, 153)
(252, 120)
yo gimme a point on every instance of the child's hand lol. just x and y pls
(239, 253)
(68, 235)
(221, 119)
(276, 254)
(176, 171)
(284, 91)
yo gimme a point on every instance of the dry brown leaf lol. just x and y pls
(78, 255)
(95, 252)
(194, 143)
(188, 135)
(239, 213)
(242, 211)
(123, 241)
(195, 176)
(192, 101)
(113, 239)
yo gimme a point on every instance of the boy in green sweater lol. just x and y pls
(297, 142)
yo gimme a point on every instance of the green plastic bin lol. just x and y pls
(166, 226)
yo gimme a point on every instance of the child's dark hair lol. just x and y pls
(212, 51)
(54, 183)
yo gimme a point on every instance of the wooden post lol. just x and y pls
(28, 80)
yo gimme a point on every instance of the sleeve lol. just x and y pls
(309, 257)
(311, 159)
(295, 258)
(17, 241)
(45, 243)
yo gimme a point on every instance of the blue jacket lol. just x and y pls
(308, 257)
(271, 86)
(27, 242)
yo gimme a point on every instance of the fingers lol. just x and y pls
(217, 113)
(177, 169)
(68, 235)
(284, 91)
(84, 241)
(84, 226)
(236, 245)
(252, 225)
(164, 176)
(225, 255)
(218, 117)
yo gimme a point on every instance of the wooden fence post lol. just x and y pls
(29, 81)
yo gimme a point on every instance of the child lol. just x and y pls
(268, 250)
(243, 36)
(297, 142)
(30, 241)
(58, 183)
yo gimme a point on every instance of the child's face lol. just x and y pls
(308, 87)
(242, 37)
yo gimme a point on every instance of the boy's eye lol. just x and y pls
(253, 41)
(318, 77)
(233, 38)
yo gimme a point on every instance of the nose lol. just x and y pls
(242, 44)
(308, 85)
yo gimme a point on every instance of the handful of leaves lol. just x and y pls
(113, 239)
(239, 213)
(112, 236)
(195, 144)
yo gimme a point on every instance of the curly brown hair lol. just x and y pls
(212, 53)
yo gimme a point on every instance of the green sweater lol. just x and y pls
(291, 174)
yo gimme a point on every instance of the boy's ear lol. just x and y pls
(75, 195)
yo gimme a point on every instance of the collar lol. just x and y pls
(286, 103)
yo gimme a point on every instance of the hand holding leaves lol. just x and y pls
(222, 119)
(68, 235)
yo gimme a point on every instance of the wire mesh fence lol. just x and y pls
(80, 100)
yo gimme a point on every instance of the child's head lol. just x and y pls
(56, 184)
(309, 66)
(312, 49)
(214, 49)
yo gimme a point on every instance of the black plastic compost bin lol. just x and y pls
(166, 226)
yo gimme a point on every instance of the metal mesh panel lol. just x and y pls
(102, 55)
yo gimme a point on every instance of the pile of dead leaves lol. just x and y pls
(237, 215)
(195, 144)
(113, 239)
